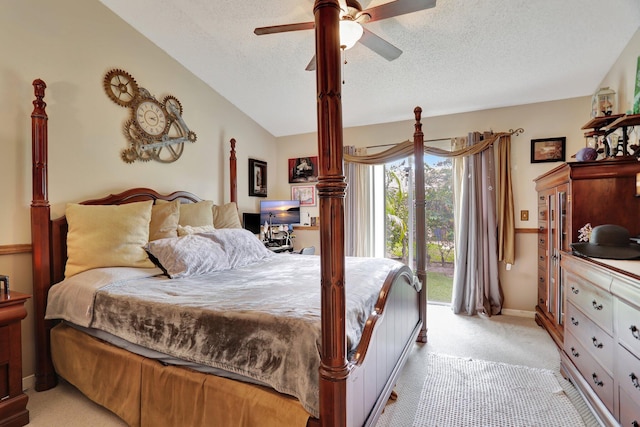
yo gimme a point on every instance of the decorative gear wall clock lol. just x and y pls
(156, 130)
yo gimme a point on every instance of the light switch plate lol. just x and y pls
(524, 215)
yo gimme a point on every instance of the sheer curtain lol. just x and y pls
(476, 287)
(358, 212)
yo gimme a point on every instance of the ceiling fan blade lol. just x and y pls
(284, 28)
(380, 46)
(312, 64)
(398, 7)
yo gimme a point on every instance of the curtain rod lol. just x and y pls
(511, 131)
(391, 145)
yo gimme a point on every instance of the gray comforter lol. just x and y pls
(261, 321)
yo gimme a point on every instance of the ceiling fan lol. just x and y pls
(351, 20)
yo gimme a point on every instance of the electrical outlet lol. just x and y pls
(524, 215)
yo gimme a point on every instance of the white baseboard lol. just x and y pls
(28, 382)
(519, 313)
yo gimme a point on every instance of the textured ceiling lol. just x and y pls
(462, 55)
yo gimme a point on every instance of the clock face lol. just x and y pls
(151, 118)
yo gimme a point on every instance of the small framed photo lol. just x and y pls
(257, 178)
(305, 193)
(303, 169)
(548, 150)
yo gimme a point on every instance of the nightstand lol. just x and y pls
(13, 402)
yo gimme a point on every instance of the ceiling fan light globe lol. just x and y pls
(350, 33)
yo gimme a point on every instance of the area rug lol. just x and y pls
(466, 392)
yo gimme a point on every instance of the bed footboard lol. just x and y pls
(387, 340)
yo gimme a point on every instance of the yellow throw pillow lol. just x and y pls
(107, 236)
(226, 216)
(196, 214)
(164, 220)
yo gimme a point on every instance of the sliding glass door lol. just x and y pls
(399, 236)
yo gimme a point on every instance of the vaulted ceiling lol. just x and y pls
(460, 56)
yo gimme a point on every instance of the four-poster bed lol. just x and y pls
(354, 385)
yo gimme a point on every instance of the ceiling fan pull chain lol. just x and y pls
(344, 62)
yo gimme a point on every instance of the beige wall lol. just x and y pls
(71, 44)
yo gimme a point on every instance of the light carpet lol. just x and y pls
(469, 392)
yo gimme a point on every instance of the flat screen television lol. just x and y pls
(280, 212)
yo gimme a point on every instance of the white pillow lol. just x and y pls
(189, 255)
(241, 246)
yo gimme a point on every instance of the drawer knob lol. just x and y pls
(575, 290)
(596, 344)
(574, 352)
(596, 381)
(635, 332)
(596, 305)
(634, 380)
(574, 321)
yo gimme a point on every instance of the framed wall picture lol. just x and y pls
(303, 169)
(257, 178)
(305, 193)
(548, 149)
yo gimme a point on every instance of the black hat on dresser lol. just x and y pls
(610, 242)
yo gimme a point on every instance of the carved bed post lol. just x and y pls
(233, 173)
(420, 209)
(331, 192)
(40, 215)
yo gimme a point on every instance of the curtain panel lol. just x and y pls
(476, 285)
(358, 210)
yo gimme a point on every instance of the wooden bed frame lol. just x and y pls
(352, 392)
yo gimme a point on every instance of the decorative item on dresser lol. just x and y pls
(570, 196)
(13, 402)
(601, 353)
(618, 146)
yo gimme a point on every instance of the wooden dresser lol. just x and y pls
(601, 352)
(13, 401)
(570, 196)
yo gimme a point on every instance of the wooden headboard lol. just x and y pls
(49, 237)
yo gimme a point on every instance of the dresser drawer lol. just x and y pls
(596, 303)
(628, 374)
(629, 411)
(542, 288)
(628, 325)
(542, 235)
(593, 339)
(597, 377)
(542, 258)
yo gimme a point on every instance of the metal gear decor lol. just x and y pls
(156, 130)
